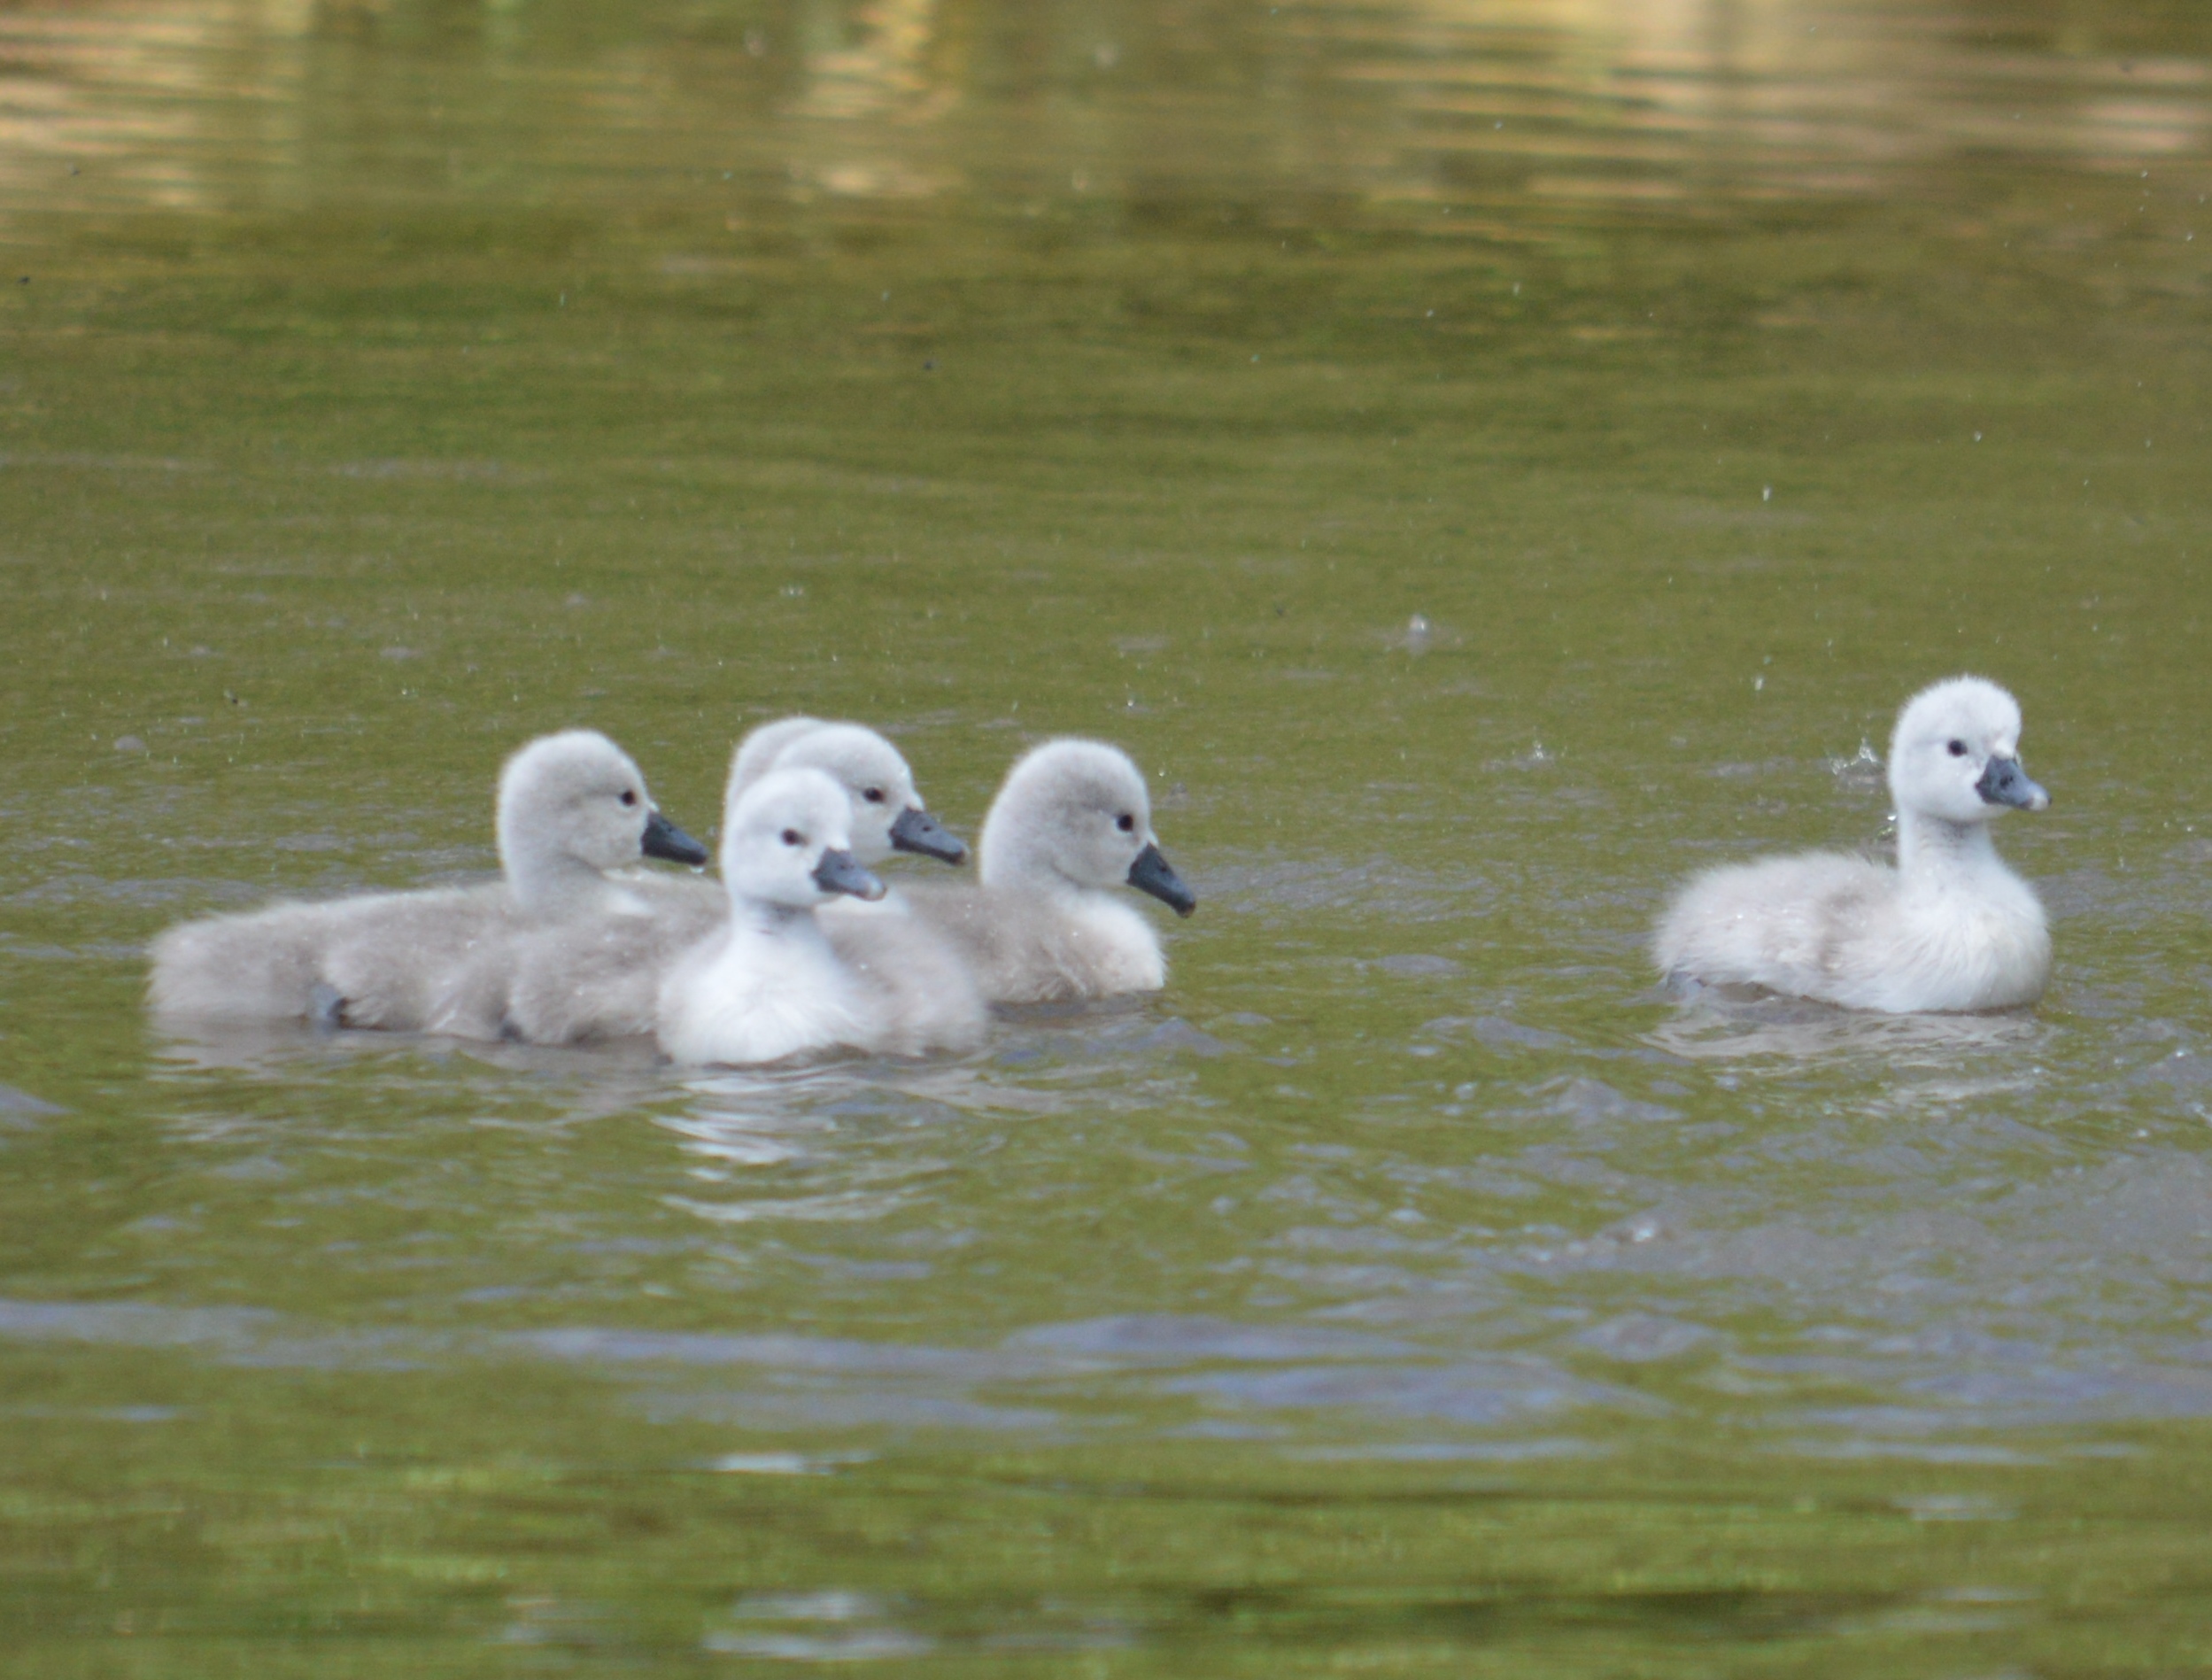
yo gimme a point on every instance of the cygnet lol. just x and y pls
(1950, 928)
(1071, 823)
(888, 814)
(573, 810)
(769, 985)
(596, 978)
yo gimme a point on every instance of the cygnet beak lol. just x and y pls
(664, 839)
(2004, 783)
(1153, 873)
(916, 830)
(840, 872)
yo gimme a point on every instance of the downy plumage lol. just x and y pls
(1949, 928)
(1072, 824)
(573, 811)
(600, 977)
(769, 985)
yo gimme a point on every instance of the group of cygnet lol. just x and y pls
(799, 950)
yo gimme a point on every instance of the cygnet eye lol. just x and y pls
(630, 796)
(1958, 749)
(793, 836)
(873, 795)
(1126, 823)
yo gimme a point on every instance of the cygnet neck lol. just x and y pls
(1020, 862)
(1932, 847)
(779, 921)
(765, 917)
(549, 882)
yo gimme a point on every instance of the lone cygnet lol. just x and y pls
(572, 811)
(1071, 823)
(1949, 928)
(595, 978)
(769, 985)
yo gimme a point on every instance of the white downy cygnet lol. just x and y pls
(1044, 923)
(573, 810)
(597, 978)
(770, 984)
(1950, 928)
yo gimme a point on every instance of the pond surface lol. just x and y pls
(1413, 1286)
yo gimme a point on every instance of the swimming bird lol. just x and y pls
(573, 812)
(888, 814)
(1950, 928)
(595, 978)
(770, 984)
(1071, 823)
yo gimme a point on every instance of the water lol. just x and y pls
(1413, 1286)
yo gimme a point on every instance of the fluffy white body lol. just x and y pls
(600, 977)
(1045, 922)
(770, 984)
(573, 810)
(1950, 928)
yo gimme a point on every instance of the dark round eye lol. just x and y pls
(793, 836)
(1958, 749)
(1126, 823)
(873, 795)
(630, 796)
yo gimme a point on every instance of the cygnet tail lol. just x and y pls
(262, 967)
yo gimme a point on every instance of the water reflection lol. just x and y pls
(1719, 1026)
(1428, 108)
(1848, 1232)
(873, 64)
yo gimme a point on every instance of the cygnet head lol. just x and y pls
(888, 814)
(787, 841)
(1956, 754)
(756, 753)
(1076, 813)
(572, 807)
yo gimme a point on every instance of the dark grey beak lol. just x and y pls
(2004, 783)
(840, 872)
(664, 839)
(916, 830)
(1153, 873)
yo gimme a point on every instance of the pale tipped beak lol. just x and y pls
(2004, 783)
(664, 839)
(916, 830)
(840, 872)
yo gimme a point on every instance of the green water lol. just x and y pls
(1412, 1286)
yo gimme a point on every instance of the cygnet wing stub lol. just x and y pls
(918, 831)
(1153, 873)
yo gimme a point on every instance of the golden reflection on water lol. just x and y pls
(215, 104)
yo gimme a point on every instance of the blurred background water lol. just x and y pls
(1485, 461)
